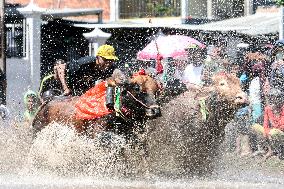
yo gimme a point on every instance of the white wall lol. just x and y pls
(18, 82)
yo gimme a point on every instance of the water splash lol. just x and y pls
(60, 158)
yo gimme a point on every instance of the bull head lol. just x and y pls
(227, 89)
(137, 93)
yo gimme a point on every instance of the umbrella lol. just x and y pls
(168, 46)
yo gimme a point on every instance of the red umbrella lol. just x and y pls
(168, 46)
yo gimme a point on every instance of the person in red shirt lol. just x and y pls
(273, 123)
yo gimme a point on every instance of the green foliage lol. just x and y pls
(280, 2)
(159, 9)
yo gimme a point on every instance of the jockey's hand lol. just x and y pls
(59, 70)
(67, 92)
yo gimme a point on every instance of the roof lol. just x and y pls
(257, 24)
(50, 14)
(59, 13)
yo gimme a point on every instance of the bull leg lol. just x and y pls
(40, 120)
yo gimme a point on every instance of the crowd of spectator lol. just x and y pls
(257, 129)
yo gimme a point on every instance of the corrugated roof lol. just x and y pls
(257, 24)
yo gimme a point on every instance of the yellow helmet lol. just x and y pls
(107, 51)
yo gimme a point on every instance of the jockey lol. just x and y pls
(51, 84)
(80, 75)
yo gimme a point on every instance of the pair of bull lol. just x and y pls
(201, 124)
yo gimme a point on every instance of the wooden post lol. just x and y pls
(3, 81)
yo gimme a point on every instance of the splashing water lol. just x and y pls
(60, 158)
(61, 150)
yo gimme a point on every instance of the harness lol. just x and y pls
(117, 104)
(203, 109)
(118, 107)
(204, 105)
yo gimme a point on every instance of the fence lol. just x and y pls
(148, 8)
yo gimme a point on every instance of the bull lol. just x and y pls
(185, 140)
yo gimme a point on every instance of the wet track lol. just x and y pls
(66, 161)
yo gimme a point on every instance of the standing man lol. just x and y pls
(192, 75)
(275, 77)
(80, 75)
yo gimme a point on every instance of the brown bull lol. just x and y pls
(185, 139)
(137, 103)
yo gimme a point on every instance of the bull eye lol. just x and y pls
(123, 91)
(222, 83)
(137, 88)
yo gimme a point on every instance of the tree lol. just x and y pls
(280, 2)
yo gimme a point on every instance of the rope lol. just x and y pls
(43, 81)
(137, 100)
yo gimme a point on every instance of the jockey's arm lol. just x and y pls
(60, 72)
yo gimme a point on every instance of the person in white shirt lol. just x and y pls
(192, 75)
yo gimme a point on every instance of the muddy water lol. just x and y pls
(59, 158)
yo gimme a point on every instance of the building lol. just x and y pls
(221, 9)
(114, 10)
(70, 4)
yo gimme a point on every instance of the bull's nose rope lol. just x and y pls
(117, 104)
(137, 100)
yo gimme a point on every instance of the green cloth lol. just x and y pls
(117, 99)
(29, 115)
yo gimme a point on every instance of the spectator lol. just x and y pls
(242, 124)
(242, 50)
(273, 124)
(192, 75)
(31, 101)
(251, 73)
(276, 77)
(256, 110)
(215, 62)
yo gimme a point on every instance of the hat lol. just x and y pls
(192, 46)
(243, 45)
(107, 52)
